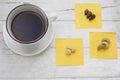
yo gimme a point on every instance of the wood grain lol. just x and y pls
(66, 29)
(65, 79)
(65, 12)
(42, 66)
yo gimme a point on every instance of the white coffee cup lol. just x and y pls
(30, 48)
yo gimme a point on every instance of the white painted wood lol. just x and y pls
(70, 79)
(16, 66)
(65, 12)
(68, 30)
(92, 68)
(2, 23)
(60, 79)
(43, 66)
(39, 67)
(6, 8)
(109, 13)
(65, 1)
(89, 79)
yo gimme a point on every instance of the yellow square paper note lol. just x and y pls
(82, 21)
(95, 40)
(74, 59)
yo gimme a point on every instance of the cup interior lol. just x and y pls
(22, 8)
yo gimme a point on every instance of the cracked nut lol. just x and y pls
(92, 17)
(106, 40)
(70, 50)
(104, 44)
(86, 11)
(89, 14)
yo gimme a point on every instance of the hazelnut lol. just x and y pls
(89, 14)
(104, 44)
(92, 17)
(70, 50)
(86, 11)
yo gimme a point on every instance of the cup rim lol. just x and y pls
(37, 39)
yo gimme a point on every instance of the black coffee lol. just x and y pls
(27, 26)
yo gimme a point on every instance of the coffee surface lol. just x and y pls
(27, 26)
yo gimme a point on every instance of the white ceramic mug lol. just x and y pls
(30, 48)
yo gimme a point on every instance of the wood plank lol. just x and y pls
(64, 12)
(31, 67)
(110, 13)
(67, 30)
(60, 5)
(6, 8)
(62, 1)
(90, 79)
(93, 68)
(111, 79)
(65, 79)
(54, 79)
(2, 23)
(40, 67)
(43, 66)
(16, 66)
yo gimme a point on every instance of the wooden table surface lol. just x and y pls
(43, 66)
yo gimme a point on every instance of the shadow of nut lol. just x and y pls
(101, 47)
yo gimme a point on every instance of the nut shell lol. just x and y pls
(92, 17)
(68, 51)
(106, 45)
(106, 40)
(89, 14)
(86, 11)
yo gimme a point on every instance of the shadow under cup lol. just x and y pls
(29, 13)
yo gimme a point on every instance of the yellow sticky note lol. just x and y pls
(82, 21)
(74, 59)
(95, 40)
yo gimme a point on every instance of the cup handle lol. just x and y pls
(52, 17)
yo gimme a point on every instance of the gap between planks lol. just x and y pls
(65, 78)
